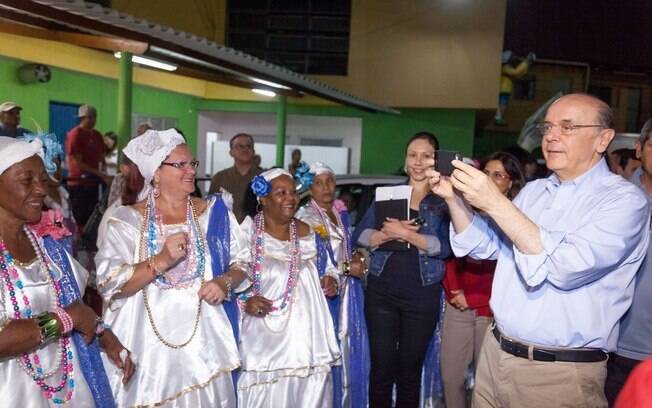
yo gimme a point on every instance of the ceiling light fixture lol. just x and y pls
(149, 62)
(264, 92)
(269, 83)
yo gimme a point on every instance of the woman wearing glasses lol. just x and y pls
(467, 285)
(164, 268)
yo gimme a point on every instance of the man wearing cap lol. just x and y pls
(10, 120)
(85, 156)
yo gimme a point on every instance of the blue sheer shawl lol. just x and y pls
(90, 361)
(218, 238)
(358, 340)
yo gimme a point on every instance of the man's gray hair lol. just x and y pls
(646, 132)
(605, 115)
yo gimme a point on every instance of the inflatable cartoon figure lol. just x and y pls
(509, 73)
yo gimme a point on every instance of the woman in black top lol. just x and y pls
(402, 303)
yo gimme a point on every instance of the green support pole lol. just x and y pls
(125, 85)
(281, 119)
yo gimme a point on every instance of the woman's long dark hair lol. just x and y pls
(512, 167)
(134, 182)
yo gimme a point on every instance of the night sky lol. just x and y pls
(614, 34)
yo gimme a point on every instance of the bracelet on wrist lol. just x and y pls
(228, 281)
(151, 266)
(346, 268)
(48, 326)
(100, 327)
(65, 319)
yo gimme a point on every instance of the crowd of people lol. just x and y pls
(497, 289)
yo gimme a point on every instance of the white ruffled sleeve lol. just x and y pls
(116, 257)
(240, 251)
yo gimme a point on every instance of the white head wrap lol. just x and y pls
(271, 174)
(13, 151)
(149, 150)
(320, 168)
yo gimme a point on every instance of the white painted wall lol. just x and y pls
(262, 126)
(335, 157)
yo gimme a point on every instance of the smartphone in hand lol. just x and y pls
(444, 159)
(418, 221)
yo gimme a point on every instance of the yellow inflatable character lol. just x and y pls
(508, 74)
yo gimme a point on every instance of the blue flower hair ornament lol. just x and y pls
(260, 186)
(51, 150)
(303, 176)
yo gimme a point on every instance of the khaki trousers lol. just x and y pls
(507, 381)
(461, 338)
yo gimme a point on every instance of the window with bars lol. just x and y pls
(309, 37)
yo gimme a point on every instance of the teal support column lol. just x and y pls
(281, 120)
(125, 86)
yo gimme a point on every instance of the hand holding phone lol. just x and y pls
(418, 221)
(443, 164)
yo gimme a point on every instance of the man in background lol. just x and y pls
(85, 152)
(635, 342)
(235, 179)
(10, 120)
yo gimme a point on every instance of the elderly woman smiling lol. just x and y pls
(164, 268)
(288, 341)
(48, 352)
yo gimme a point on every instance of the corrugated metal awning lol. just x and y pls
(188, 50)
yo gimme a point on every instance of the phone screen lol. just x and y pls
(444, 160)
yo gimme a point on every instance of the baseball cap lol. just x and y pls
(86, 110)
(7, 106)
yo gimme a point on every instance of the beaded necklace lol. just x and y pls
(193, 265)
(338, 218)
(149, 246)
(257, 253)
(31, 364)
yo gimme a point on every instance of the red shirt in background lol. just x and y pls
(90, 145)
(474, 277)
(637, 392)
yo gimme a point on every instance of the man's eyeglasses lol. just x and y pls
(496, 175)
(243, 146)
(565, 129)
(183, 164)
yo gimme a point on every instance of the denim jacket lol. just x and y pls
(437, 221)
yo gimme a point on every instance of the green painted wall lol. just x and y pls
(383, 135)
(74, 87)
(487, 142)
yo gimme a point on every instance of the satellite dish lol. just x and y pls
(34, 73)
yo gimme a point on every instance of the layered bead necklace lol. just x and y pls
(338, 218)
(31, 363)
(152, 238)
(257, 254)
(193, 265)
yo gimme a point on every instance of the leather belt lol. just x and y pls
(542, 354)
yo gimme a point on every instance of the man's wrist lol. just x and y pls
(498, 206)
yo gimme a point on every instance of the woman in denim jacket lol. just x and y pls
(402, 303)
